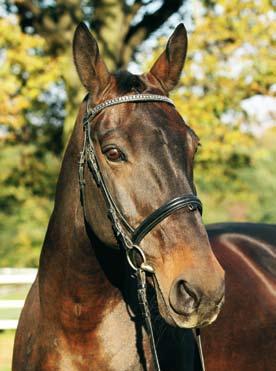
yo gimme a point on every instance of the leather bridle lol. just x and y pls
(128, 237)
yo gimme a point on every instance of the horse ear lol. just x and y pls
(168, 67)
(91, 68)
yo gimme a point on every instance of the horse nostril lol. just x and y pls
(183, 297)
(184, 289)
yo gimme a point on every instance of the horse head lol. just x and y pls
(145, 153)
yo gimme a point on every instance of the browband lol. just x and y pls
(92, 112)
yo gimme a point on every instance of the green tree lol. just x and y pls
(119, 26)
(262, 178)
(230, 59)
(39, 95)
(30, 143)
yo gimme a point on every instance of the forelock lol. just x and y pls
(127, 83)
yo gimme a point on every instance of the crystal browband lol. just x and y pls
(92, 112)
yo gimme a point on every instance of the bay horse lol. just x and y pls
(243, 338)
(133, 187)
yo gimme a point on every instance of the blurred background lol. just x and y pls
(226, 94)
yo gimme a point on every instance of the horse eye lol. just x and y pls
(114, 154)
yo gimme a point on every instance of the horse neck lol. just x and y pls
(74, 266)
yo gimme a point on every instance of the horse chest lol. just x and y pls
(113, 345)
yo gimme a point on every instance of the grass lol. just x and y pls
(6, 346)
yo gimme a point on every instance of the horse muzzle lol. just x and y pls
(190, 303)
(187, 305)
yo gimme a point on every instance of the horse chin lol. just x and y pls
(192, 320)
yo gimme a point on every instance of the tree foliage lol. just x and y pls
(119, 26)
(230, 59)
(261, 178)
(30, 143)
(40, 95)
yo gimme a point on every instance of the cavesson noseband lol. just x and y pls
(127, 236)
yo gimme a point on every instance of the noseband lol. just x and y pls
(127, 236)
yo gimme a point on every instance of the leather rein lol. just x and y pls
(128, 237)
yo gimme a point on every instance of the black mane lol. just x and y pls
(127, 82)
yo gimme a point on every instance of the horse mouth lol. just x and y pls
(203, 315)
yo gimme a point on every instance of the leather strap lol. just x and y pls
(186, 201)
(92, 112)
(144, 305)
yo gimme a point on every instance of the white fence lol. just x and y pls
(14, 283)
